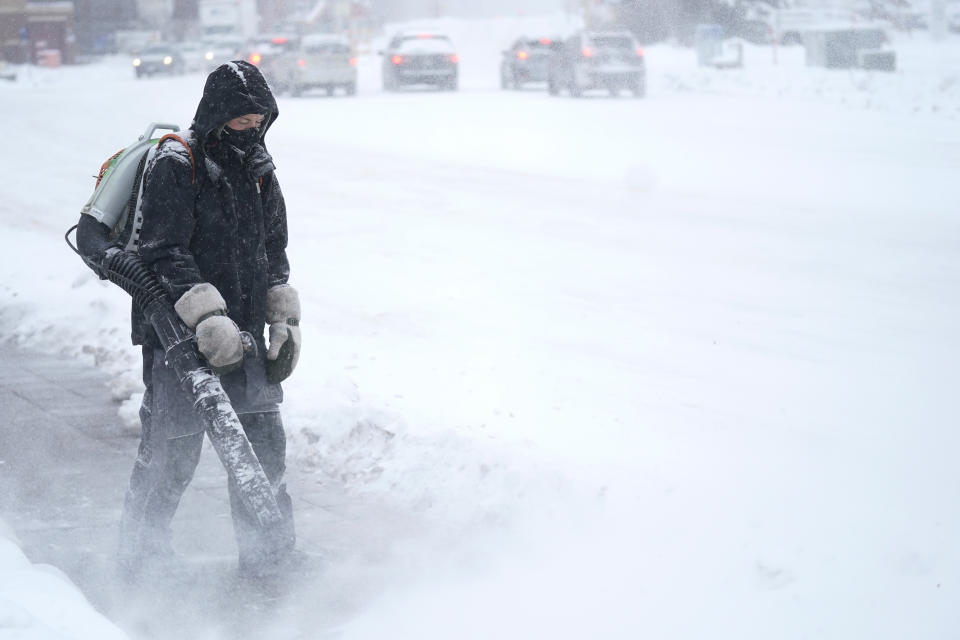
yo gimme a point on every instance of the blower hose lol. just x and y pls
(223, 427)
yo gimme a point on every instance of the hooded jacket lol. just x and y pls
(212, 213)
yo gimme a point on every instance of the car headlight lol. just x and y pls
(208, 55)
(136, 62)
(167, 60)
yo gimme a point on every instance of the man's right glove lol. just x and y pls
(283, 314)
(203, 309)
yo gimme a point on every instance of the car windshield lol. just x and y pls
(326, 47)
(612, 42)
(428, 45)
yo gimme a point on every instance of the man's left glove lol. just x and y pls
(203, 309)
(283, 314)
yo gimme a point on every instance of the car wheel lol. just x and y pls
(575, 89)
(639, 90)
(329, 89)
(351, 89)
(552, 87)
(503, 80)
(296, 90)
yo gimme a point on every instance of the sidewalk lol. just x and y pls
(65, 460)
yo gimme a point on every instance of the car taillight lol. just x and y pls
(455, 59)
(397, 59)
(353, 61)
(255, 58)
(522, 55)
(545, 41)
(639, 52)
(587, 52)
(301, 62)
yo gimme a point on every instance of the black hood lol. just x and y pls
(233, 89)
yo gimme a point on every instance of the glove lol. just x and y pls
(283, 314)
(259, 162)
(203, 309)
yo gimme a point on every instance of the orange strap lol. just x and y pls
(105, 166)
(193, 164)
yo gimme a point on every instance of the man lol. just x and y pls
(213, 229)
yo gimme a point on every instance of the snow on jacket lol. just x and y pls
(220, 216)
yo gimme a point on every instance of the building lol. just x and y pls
(37, 32)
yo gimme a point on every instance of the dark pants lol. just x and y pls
(165, 465)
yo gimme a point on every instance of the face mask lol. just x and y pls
(242, 140)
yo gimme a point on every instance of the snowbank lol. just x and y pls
(39, 602)
(927, 80)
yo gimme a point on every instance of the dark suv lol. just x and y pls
(527, 60)
(420, 58)
(610, 60)
(158, 59)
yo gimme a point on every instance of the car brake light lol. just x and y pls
(279, 40)
(301, 62)
(454, 58)
(255, 58)
(640, 52)
(353, 61)
(396, 59)
(545, 41)
(587, 52)
(523, 55)
(425, 36)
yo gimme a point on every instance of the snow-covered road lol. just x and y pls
(698, 349)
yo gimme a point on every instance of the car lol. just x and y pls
(953, 19)
(193, 56)
(6, 73)
(263, 51)
(420, 58)
(220, 50)
(158, 59)
(610, 60)
(527, 60)
(321, 61)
